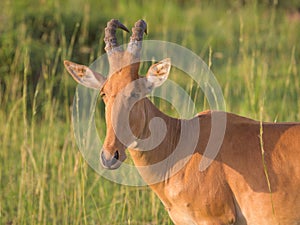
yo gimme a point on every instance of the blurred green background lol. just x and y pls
(251, 46)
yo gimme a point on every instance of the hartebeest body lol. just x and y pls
(255, 177)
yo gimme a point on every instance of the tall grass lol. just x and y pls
(253, 51)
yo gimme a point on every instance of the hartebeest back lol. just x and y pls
(254, 179)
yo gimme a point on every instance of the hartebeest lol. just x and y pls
(255, 177)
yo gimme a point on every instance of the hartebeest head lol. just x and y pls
(122, 91)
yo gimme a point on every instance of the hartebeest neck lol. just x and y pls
(166, 153)
(146, 153)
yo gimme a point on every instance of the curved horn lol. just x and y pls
(135, 44)
(110, 34)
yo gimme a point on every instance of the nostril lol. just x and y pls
(112, 162)
(116, 155)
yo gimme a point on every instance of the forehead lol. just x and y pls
(113, 86)
(120, 80)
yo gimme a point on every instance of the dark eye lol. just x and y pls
(134, 95)
(102, 94)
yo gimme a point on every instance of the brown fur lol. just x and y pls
(250, 181)
(234, 189)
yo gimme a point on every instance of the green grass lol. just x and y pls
(43, 177)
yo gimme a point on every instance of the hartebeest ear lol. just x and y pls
(84, 75)
(158, 73)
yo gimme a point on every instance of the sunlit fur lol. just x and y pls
(234, 189)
